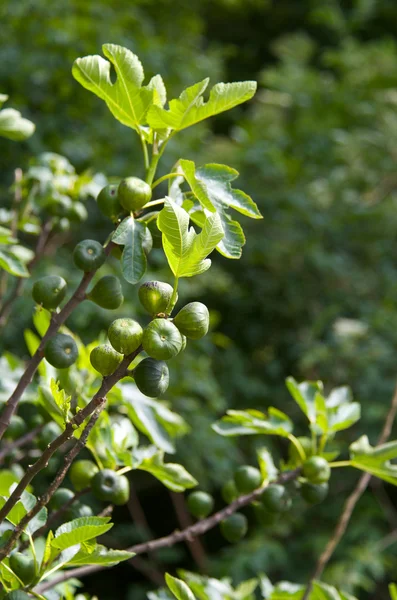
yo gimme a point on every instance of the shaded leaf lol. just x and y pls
(131, 234)
(251, 422)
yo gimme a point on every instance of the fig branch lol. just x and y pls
(199, 528)
(57, 320)
(60, 476)
(107, 384)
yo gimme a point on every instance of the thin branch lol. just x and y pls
(195, 546)
(351, 503)
(56, 321)
(107, 384)
(22, 441)
(60, 476)
(197, 529)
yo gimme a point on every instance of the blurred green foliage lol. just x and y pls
(315, 292)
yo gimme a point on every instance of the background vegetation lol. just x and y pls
(315, 293)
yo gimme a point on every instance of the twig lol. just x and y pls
(350, 503)
(60, 476)
(107, 511)
(22, 441)
(107, 384)
(56, 321)
(197, 529)
(195, 546)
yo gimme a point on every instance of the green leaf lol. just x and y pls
(80, 530)
(185, 250)
(173, 476)
(179, 588)
(131, 234)
(10, 262)
(251, 422)
(304, 395)
(344, 416)
(190, 107)
(126, 99)
(100, 556)
(6, 236)
(41, 320)
(375, 459)
(267, 467)
(321, 413)
(13, 126)
(393, 591)
(46, 399)
(62, 400)
(7, 478)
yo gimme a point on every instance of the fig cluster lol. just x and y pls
(130, 195)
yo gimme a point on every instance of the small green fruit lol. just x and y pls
(81, 473)
(89, 255)
(229, 491)
(60, 497)
(110, 487)
(265, 517)
(155, 296)
(125, 335)
(276, 499)
(108, 202)
(234, 528)
(15, 429)
(48, 434)
(193, 320)
(314, 493)
(152, 377)
(134, 193)
(107, 293)
(49, 291)
(293, 454)
(161, 339)
(78, 510)
(105, 359)
(200, 504)
(23, 567)
(61, 351)
(316, 469)
(17, 595)
(247, 479)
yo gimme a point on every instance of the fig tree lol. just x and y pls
(49, 291)
(193, 320)
(23, 566)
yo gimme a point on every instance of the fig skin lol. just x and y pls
(108, 486)
(125, 335)
(49, 291)
(162, 340)
(61, 351)
(89, 255)
(108, 202)
(234, 528)
(193, 320)
(107, 293)
(152, 377)
(155, 296)
(134, 193)
(105, 359)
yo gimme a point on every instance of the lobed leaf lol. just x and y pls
(252, 422)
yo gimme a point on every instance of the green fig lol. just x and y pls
(110, 487)
(155, 296)
(49, 291)
(161, 339)
(200, 504)
(152, 377)
(125, 335)
(60, 497)
(293, 453)
(234, 528)
(316, 469)
(107, 293)
(247, 479)
(81, 473)
(193, 320)
(276, 498)
(314, 493)
(61, 351)
(229, 491)
(89, 255)
(109, 203)
(105, 359)
(134, 193)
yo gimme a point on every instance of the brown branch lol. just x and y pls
(22, 441)
(197, 529)
(107, 384)
(195, 546)
(56, 321)
(60, 476)
(351, 503)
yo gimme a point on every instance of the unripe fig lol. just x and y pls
(108, 202)
(155, 296)
(125, 335)
(107, 293)
(89, 255)
(161, 339)
(61, 351)
(234, 528)
(81, 473)
(247, 479)
(314, 493)
(294, 455)
(110, 487)
(229, 491)
(200, 504)
(152, 377)
(49, 291)
(134, 193)
(60, 497)
(193, 320)
(23, 567)
(105, 359)
(276, 499)
(316, 469)
(15, 429)
(264, 516)
(48, 434)
(78, 510)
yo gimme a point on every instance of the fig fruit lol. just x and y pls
(49, 291)
(276, 499)
(314, 493)
(200, 504)
(89, 255)
(234, 528)
(60, 497)
(247, 479)
(108, 486)
(161, 339)
(108, 202)
(152, 377)
(125, 335)
(155, 296)
(81, 473)
(134, 193)
(229, 491)
(61, 351)
(193, 320)
(105, 359)
(316, 469)
(107, 293)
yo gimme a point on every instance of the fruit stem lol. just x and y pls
(33, 549)
(164, 178)
(154, 203)
(173, 298)
(298, 446)
(124, 470)
(340, 463)
(323, 441)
